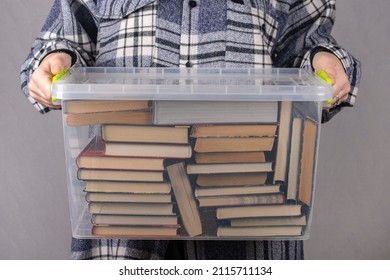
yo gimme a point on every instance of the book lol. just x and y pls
(148, 150)
(211, 168)
(137, 220)
(121, 117)
(127, 197)
(309, 140)
(235, 144)
(255, 130)
(200, 112)
(283, 141)
(259, 211)
(230, 200)
(94, 156)
(94, 106)
(231, 179)
(129, 208)
(135, 231)
(145, 134)
(229, 157)
(120, 175)
(185, 199)
(122, 163)
(127, 187)
(259, 231)
(292, 179)
(238, 190)
(269, 221)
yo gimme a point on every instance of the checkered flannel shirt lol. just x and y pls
(184, 33)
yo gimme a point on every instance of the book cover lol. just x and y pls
(236, 190)
(134, 220)
(200, 112)
(231, 179)
(129, 208)
(244, 130)
(231, 200)
(127, 187)
(259, 211)
(235, 144)
(185, 198)
(121, 117)
(127, 197)
(283, 142)
(117, 231)
(120, 175)
(229, 157)
(269, 221)
(259, 231)
(148, 150)
(296, 137)
(95, 106)
(145, 134)
(212, 168)
(309, 140)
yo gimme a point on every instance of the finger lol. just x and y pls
(42, 80)
(37, 94)
(59, 62)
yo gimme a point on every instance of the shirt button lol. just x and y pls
(192, 3)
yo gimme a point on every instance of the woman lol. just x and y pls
(189, 33)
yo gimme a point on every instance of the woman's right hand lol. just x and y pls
(40, 83)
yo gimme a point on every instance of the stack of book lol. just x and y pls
(126, 189)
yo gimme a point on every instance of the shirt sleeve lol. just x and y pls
(308, 28)
(70, 27)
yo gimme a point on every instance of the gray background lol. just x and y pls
(351, 209)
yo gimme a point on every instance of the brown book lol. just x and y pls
(293, 172)
(120, 175)
(94, 106)
(308, 161)
(238, 144)
(115, 231)
(148, 150)
(213, 168)
(229, 157)
(121, 117)
(232, 200)
(283, 141)
(94, 157)
(134, 220)
(237, 190)
(259, 211)
(269, 221)
(128, 208)
(145, 134)
(233, 130)
(185, 198)
(127, 197)
(231, 179)
(127, 187)
(274, 231)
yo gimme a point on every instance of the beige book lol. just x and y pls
(128, 197)
(94, 106)
(231, 179)
(134, 231)
(212, 168)
(145, 134)
(229, 157)
(120, 175)
(233, 130)
(259, 211)
(127, 187)
(227, 231)
(128, 208)
(237, 144)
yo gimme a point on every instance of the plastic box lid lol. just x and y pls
(228, 84)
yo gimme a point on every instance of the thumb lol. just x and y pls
(60, 62)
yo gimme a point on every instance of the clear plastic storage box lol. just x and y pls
(191, 153)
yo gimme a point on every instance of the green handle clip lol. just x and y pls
(322, 74)
(55, 79)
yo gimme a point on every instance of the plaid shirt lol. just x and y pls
(188, 33)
